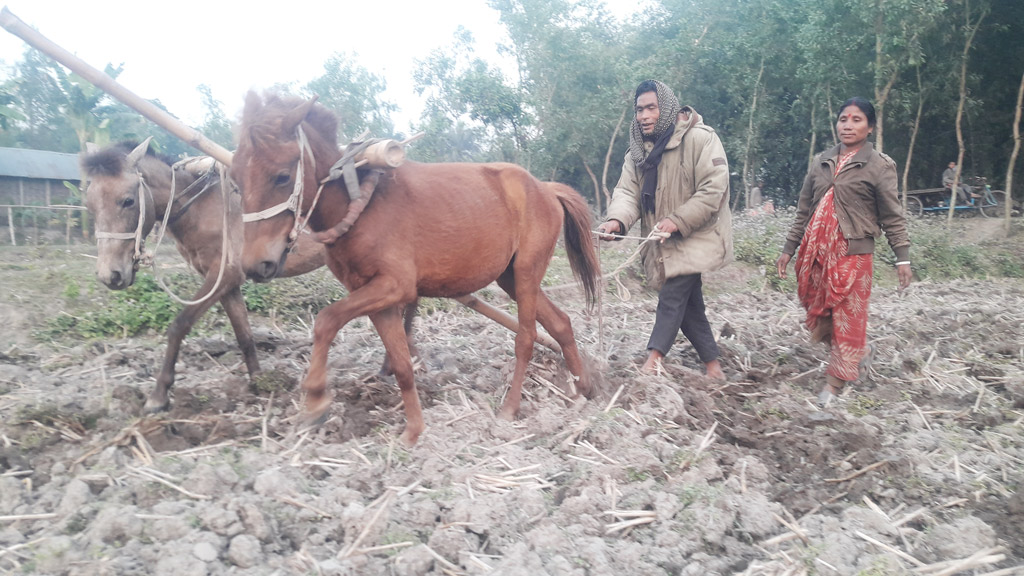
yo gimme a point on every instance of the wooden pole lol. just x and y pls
(506, 320)
(190, 136)
(10, 222)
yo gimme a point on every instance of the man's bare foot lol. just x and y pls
(653, 363)
(714, 370)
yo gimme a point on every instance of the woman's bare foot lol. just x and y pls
(653, 363)
(714, 370)
(822, 330)
(833, 388)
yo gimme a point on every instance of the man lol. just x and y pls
(675, 181)
(962, 191)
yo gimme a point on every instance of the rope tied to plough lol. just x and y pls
(620, 289)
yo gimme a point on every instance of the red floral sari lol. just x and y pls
(835, 286)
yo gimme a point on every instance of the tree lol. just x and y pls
(215, 124)
(970, 29)
(354, 94)
(898, 28)
(470, 113)
(576, 85)
(1013, 155)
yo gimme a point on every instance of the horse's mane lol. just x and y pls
(263, 124)
(110, 160)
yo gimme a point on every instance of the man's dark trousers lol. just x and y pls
(681, 307)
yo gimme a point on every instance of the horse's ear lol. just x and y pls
(252, 104)
(140, 151)
(297, 115)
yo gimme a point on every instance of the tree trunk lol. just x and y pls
(881, 92)
(971, 31)
(814, 133)
(913, 138)
(881, 97)
(1013, 156)
(831, 114)
(593, 179)
(608, 158)
(750, 139)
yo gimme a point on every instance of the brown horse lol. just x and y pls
(430, 230)
(116, 197)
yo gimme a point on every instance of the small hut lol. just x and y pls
(31, 185)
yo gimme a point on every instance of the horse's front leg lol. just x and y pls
(377, 295)
(158, 400)
(389, 326)
(234, 306)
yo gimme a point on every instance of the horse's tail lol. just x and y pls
(579, 242)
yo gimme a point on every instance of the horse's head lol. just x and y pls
(265, 167)
(122, 209)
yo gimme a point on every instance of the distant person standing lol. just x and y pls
(675, 181)
(756, 198)
(963, 191)
(849, 198)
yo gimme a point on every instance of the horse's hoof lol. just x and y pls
(507, 414)
(153, 406)
(584, 389)
(409, 438)
(311, 420)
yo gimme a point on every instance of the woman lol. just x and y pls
(848, 198)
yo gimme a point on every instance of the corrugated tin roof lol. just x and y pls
(41, 164)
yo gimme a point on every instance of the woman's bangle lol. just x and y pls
(907, 262)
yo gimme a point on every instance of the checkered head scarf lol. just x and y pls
(647, 163)
(669, 107)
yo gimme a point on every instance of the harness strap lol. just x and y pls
(345, 168)
(355, 209)
(208, 185)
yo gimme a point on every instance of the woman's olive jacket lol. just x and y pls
(866, 199)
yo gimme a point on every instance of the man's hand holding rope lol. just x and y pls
(612, 230)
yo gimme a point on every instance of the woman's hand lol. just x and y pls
(783, 262)
(905, 275)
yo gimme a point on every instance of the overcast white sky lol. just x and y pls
(170, 48)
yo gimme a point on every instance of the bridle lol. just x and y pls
(294, 202)
(345, 168)
(141, 257)
(137, 235)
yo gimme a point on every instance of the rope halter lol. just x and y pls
(344, 168)
(294, 202)
(138, 235)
